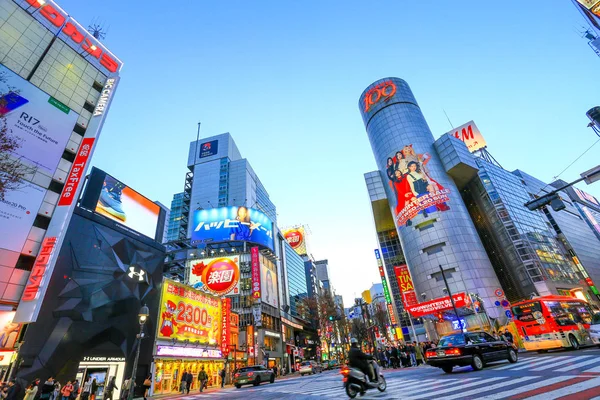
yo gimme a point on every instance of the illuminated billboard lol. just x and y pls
(124, 205)
(470, 134)
(9, 331)
(296, 237)
(17, 213)
(268, 284)
(218, 276)
(416, 191)
(592, 5)
(232, 223)
(42, 124)
(188, 314)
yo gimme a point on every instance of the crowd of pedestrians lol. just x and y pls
(404, 355)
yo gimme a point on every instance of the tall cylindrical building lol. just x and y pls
(432, 221)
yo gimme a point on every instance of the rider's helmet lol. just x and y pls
(353, 342)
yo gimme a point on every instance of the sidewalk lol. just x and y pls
(196, 392)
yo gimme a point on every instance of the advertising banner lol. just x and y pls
(186, 313)
(38, 272)
(42, 124)
(255, 272)
(296, 237)
(225, 329)
(232, 223)
(17, 213)
(126, 206)
(417, 192)
(268, 284)
(591, 219)
(9, 331)
(76, 174)
(441, 304)
(386, 291)
(406, 286)
(586, 197)
(218, 276)
(469, 133)
(250, 339)
(257, 314)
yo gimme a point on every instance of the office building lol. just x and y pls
(174, 231)
(323, 273)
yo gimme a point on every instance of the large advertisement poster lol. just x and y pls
(218, 276)
(42, 124)
(9, 331)
(232, 223)
(416, 191)
(406, 286)
(296, 237)
(441, 304)
(268, 281)
(17, 213)
(126, 206)
(189, 314)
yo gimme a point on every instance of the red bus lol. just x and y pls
(553, 322)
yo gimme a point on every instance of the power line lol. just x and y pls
(569, 166)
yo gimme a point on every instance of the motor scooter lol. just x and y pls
(356, 381)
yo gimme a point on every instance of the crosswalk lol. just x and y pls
(561, 364)
(567, 387)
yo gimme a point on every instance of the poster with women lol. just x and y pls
(417, 192)
(268, 283)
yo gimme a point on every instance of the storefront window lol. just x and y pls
(167, 375)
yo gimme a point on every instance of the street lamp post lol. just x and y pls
(452, 300)
(143, 317)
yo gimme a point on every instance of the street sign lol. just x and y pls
(499, 293)
(497, 303)
(505, 303)
(508, 313)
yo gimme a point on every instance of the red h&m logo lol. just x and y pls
(39, 269)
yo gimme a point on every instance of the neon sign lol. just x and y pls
(39, 269)
(52, 16)
(384, 90)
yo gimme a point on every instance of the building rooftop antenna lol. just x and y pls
(97, 30)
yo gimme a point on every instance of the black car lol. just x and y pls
(472, 348)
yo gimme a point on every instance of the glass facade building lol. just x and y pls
(432, 222)
(296, 278)
(175, 217)
(38, 52)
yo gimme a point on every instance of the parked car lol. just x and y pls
(253, 375)
(310, 367)
(595, 329)
(471, 348)
(333, 364)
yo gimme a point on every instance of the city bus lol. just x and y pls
(553, 322)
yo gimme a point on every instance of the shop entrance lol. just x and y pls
(167, 373)
(102, 371)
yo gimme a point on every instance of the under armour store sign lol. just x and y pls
(137, 274)
(104, 359)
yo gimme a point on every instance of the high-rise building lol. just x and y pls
(59, 80)
(323, 273)
(432, 222)
(174, 231)
(295, 278)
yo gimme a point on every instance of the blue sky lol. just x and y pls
(284, 79)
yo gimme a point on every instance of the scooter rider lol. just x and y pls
(360, 360)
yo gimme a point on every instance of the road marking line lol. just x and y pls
(595, 369)
(434, 394)
(536, 364)
(527, 388)
(578, 365)
(561, 362)
(438, 385)
(488, 388)
(521, 361)
(568, 390)
(585, 394)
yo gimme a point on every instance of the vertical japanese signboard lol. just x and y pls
(255, 272)
(405, 284)
(39, 270)
(386, 292)
(225, 329)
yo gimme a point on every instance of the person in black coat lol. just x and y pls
(14, 390)
(188, 382)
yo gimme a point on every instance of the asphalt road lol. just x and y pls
(565, 375)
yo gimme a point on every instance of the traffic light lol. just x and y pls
(553, 199)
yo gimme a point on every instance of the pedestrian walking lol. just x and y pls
(508, 336)
(222, 375)
(110, 388)
(413, 354)
(67, 390)
(75, 391)
(147, 386)
(183, 384)
(202, 378)
(94, 388)
(188, 382)
(125, 389)
(87, 388)
(56, 391)
(47, 389)
(14, 390)
(419, 354)
(31, 390)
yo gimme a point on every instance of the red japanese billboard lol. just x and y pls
(441, 304)
(218, 276)
(406, 286)
(225, 329)
(39, 270)
(255, 272)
